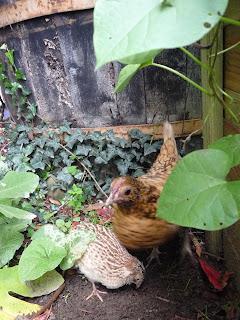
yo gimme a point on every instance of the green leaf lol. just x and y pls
(24, 167)
(40, 141)
(12, 307)
(125, 76)
(2, 77)
(231, 146)
(63, 175)
(37, 161)
(10, 241)
(9, 54)
(12, 212)
(29, 149)
(134, 31)
(33, 108)
(77, 136)
(4, 47)
(51, 231)
(26, 91)
(197, 195)
(149, 148)
(65, 127)
(83, 150)
(54, 143)
(40, 256)
(20, 75)
(77, 242)
(18, 184)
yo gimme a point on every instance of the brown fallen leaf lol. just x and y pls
(196, 244)
(225, 278)
(94, 206)
(231, 313)
(53, 201)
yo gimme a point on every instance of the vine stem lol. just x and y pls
(184, 77)
(85, 168)
(230, 21)
(196, 60)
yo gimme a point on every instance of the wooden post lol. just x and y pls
(213, 113)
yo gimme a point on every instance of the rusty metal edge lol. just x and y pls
(27, 9)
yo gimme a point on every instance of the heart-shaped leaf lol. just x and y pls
(230, 145)
(134, 31)
(40, 256)
(196, 194)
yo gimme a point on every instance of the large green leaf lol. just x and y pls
(77, 243)
(11, 307)
(133, 31)
(197, 195)
(18, 184)
(230, 145)
(12, 212)
(40, 256)
(10, 241)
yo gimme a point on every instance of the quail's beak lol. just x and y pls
(110, 200)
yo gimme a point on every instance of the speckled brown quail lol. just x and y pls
(108, 262)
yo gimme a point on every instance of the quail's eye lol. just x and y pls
(127, 192)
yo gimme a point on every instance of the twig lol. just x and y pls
(165, 300)
(51, 300)
(85, 168)
(6, 145)
(205, 317)
(187, 140)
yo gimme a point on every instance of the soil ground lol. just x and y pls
(171, 291)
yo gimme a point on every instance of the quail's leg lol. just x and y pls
(96, 292)
(154, 255)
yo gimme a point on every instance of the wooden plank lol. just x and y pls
(232, 59)
(233, 10)
(27, 9)
(234, 106)
(180, 129)
(213, 112)
(229, 128)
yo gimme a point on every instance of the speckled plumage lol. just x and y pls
(135, 201)
(107, 261)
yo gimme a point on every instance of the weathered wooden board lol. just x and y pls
(57, 56)
(12, 11)
(232, 58)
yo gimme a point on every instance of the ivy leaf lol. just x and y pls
(49, 153)
(77, 136)
(150, 148)
(197, 195)
(2, 69)
(64, 176)
(22, 139)
(37, 162)
(19, 75)
(54, 143)
(82, 150)
(102, 158)
(24, 167)
(40, 256)
(25, 91)
(2, 77)
(29, 149)
(65, 127)
(123, 166)
(231, 146)
(9, 54)
(33, 108)
(40, 141)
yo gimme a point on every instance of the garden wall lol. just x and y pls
(56, 54)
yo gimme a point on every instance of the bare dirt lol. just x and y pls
(173, 290)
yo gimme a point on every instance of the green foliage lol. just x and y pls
(134, 31)
(51, 247)
(12, 219)
(196, 194)
(11, 307)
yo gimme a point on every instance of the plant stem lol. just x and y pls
(184, 77)
(225, 50)
(230, 21)
(85, 168)
(198, 61)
